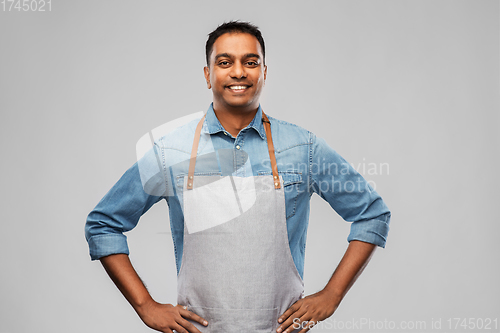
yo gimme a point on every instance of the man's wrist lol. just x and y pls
(142, 306)
(332, 294)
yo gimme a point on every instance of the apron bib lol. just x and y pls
(237, 271)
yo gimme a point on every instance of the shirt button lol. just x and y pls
(237, 147)
(225, 133)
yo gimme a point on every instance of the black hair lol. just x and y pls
(234, 26)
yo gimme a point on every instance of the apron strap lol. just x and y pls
(194, 152)
(270, 147)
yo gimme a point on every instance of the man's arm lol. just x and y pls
(160, 317)
(350, 195)
(321, 305)
(119, 211)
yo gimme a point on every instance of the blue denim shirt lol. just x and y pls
(305, 162)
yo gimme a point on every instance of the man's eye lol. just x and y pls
(252, 63)
(224, 63)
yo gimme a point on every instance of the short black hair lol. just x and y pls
(234, 26)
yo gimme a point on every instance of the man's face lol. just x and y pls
(236, 73)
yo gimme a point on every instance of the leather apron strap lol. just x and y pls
(270, 147)
(194, 152)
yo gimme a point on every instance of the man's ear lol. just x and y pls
(265, 73)
(206, 71)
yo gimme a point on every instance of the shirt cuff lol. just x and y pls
(371, 231)
(105, 245)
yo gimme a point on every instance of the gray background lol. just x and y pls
(414, 84)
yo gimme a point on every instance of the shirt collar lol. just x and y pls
(214, 126)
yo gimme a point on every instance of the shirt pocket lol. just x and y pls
(292, 185)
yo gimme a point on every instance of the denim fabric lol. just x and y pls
(305, 162)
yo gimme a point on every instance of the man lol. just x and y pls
(238, 185)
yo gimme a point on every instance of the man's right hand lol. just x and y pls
(161, 317)
(166, 318)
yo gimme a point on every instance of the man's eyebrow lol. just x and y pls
(252, 55)
(227, 55)
(222, 55)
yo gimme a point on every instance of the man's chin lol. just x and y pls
(240, 104)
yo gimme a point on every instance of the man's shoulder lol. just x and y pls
(179, 137)
(288, 133)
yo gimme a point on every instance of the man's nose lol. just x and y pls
(238, 71)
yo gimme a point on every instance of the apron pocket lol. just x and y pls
(237, 320)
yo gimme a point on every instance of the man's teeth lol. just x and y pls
(237, 87)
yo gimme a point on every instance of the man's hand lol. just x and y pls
(323, 304)
(166, 318)
(161, 317)
(307, 312)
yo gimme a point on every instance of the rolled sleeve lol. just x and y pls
(372, 231)
(118, 211)
(349, 194)
(104, 245)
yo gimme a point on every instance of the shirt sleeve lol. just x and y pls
(349, 194)
(120, 209)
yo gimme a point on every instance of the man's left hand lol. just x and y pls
(307, 312)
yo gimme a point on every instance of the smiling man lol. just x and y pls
(240, 234)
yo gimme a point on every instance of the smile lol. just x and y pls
(238, 88)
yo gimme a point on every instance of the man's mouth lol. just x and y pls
(238, 88)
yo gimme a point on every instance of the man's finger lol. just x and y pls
(179, 329)
(302, 323)
(191, 315)
(292, 322)
(295, 306)
(307, 325)
(188, 326)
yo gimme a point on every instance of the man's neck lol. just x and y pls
(234, 121)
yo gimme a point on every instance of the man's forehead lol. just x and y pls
(236, 44)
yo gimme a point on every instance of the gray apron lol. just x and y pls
(239, 274)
